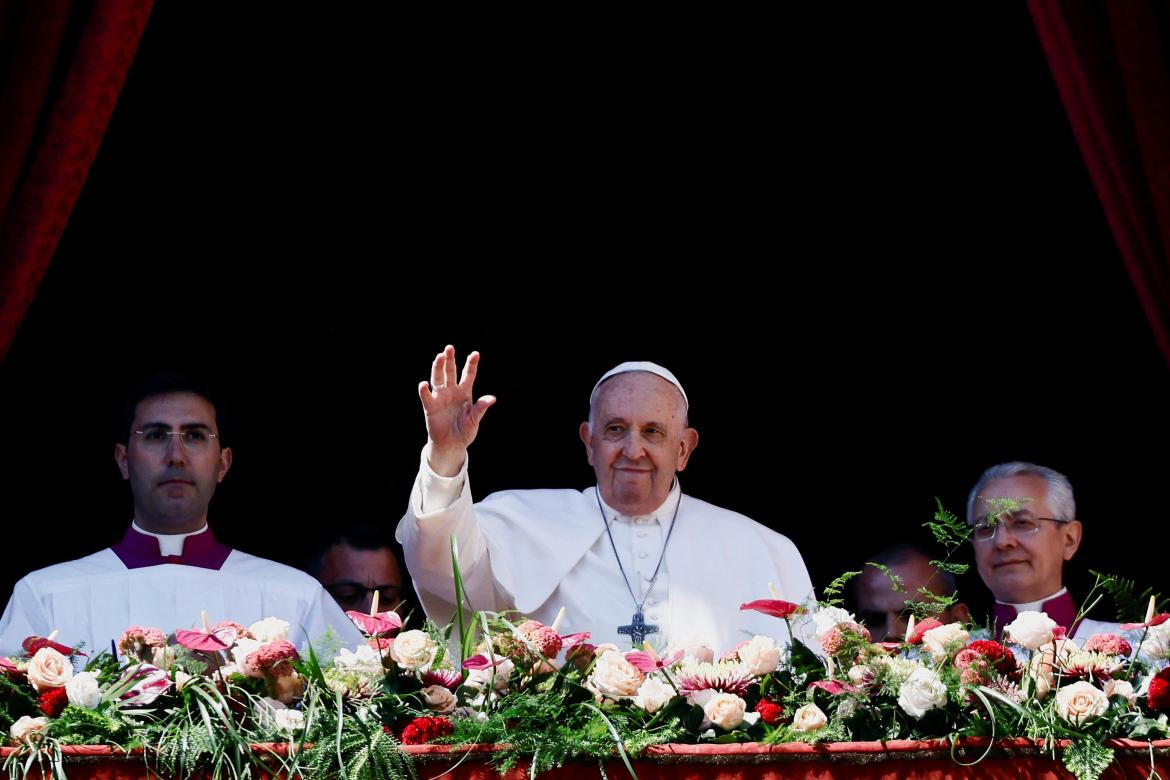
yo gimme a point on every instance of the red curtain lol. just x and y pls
(62, 65)
(1111, 63)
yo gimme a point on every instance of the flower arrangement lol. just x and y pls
(203, 698)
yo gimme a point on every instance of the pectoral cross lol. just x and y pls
(638, 629)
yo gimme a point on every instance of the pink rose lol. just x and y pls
(49, 669)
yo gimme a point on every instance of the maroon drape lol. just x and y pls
(62, 65)
(1111, 63)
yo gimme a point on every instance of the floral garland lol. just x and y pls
(217, 690)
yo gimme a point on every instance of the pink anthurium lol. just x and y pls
(482, 662)
(376, 624)
(834, 687)
(649, 661)
(204, 641)
(774, 607)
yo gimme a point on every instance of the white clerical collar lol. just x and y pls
(665, 509)
(1034, 606)
(168, 544)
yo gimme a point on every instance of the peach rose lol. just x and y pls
(49, 669)
(1080, 701)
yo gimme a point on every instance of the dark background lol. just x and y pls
(866, 244)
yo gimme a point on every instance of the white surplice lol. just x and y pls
(95, 598)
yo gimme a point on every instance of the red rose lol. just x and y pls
(1158, 697)
(770, 711)
(52, 701)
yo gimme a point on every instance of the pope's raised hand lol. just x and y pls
(452, 413)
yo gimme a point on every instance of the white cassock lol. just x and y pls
(536, 551)
(95, 598)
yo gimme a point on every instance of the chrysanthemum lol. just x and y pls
(719, 676)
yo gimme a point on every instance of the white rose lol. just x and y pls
(240, 652)
(438, 699)
(480, 678)
(1041, 671)
(49, 669)
(289, 721)
(808, 718)
(24, 729)
(760, 655)
(614, 677)
(922, 691)
(269, 630)
(1030, 630)
(827, 618)
(653, 695)
(413, 650)
(1080, 701)
(860, 674)
(724, 710)
(1120, 688)
(698, 650)
(83, 691)
(163, 657)
(940, 642)
(1156, 646)
(366, 662)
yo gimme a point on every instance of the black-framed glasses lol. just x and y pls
(158, 437)
(350, 592)
(1019, 525)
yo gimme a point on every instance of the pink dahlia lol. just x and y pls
(1110, 644)
(141, 642)
(274, 658)
(543, 638)
(837, 637)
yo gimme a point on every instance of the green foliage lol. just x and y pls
(1130, 605)
(78, 726)
(15, 701)
(1087, 759)
(354, 748)
(947, 528)
(833, 591)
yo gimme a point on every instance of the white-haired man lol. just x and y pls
(631, 557)
(1025, 528)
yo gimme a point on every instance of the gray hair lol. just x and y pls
(1060, 492)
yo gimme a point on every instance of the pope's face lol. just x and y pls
(1019, 568)
(172, 482)
(639, 439)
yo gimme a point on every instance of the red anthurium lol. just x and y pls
(1156, 620)
(650, 662)
(774, 607)
(33, 643)
(915, 638)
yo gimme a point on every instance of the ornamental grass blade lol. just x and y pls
(617, 740)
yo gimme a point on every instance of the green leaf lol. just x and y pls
(1087, 759)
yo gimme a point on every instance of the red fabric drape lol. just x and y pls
(62, 65)
(1111, 64)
